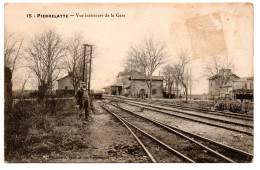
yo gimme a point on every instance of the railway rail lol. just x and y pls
(206, 111)
(197, 109)
(193, 117)
(217, 150)
(155, 144)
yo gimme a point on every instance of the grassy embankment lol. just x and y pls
(37, 131)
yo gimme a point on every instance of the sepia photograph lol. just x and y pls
(129, 82)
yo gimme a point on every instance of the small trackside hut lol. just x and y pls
(65, 86)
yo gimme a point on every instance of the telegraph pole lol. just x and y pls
(187, 87)
(84, 62)
(190, 83)
(87, 79)
(90, 63)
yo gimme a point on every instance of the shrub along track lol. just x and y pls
(243, 128)
(194, 150)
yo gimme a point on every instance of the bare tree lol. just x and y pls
(130, 67)
(179, 71)
(23, 84)
(146, 58)
(221, 70)
(12, 50)
(44, 54)
(168, 72)
(12, 53)
(74, 59)
(73, 62)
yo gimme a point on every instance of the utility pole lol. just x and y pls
(87, 74)
(187, 87)
(88, 77)
(90, 63)
(84, 62)
(85, 67)
(190, 83)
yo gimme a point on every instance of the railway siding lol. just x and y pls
(237, 154)
(230, 138)
(218, 123)
(191, 148)
(244, 123)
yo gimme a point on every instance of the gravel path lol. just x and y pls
(108, 141)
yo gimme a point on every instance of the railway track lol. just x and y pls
(200, 150)
(156, 150)
(206, 111)
(225, 124)
(197, 109)
(241, 123)
(187, 148)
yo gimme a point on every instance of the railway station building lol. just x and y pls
(138, 86)
(135, 86)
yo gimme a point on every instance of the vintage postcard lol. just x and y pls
(129, 82)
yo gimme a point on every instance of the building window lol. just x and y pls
(245, 85)
(154, 91)
(251, 87)
(142, 91)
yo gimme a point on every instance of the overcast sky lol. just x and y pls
(203, 29)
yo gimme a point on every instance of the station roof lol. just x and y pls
(244, 79)
(114, 85)
(221, 72)
(216, 76)
(141, 77)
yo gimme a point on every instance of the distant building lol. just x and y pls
(107, 90)
(243, 87)
(123, 80)
(225, 83)
(65, 85)
(224, 79)
(114, 89)
(246, 83)
(136, 85)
